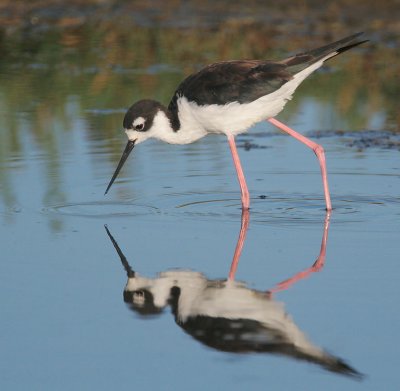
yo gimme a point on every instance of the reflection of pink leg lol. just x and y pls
(316, 267)
(240, 175)
(318, 150)
(239, 246)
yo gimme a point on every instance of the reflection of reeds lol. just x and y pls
(108, 66)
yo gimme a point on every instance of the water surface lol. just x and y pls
(64, 322)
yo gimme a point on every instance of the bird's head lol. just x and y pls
(144, 119)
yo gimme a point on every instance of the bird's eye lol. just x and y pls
(139, 127)
(138, 297)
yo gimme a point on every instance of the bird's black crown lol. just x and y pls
(145, 108)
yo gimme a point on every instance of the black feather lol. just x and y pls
(247, 80)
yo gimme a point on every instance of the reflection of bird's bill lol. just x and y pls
(128, 149)
(130, 273)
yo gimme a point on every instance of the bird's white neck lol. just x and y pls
(189, 131)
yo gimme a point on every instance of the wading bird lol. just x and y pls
(228, 98)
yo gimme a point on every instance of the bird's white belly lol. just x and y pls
(232, 118)
(235, 118)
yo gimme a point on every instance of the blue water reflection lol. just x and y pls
(225, 314)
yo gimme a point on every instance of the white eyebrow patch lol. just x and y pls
(138, 121)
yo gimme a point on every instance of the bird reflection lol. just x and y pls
(227, 315)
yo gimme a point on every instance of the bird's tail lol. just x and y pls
(338, 46)
(302, 60)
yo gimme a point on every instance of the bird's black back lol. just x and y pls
(247, 80)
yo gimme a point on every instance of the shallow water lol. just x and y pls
(64, 322)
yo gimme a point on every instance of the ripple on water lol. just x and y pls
(284, 209)
(103, 209)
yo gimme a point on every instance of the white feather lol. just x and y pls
(235, 118)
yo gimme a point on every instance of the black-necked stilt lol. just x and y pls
(227, 315)
(228, 98)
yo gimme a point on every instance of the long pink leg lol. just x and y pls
(239, 246)
(318, 150)
(316, 267)
(240, 174)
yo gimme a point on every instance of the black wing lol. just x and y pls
(233, 81)
(246, 81)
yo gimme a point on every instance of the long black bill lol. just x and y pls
(125, 154)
